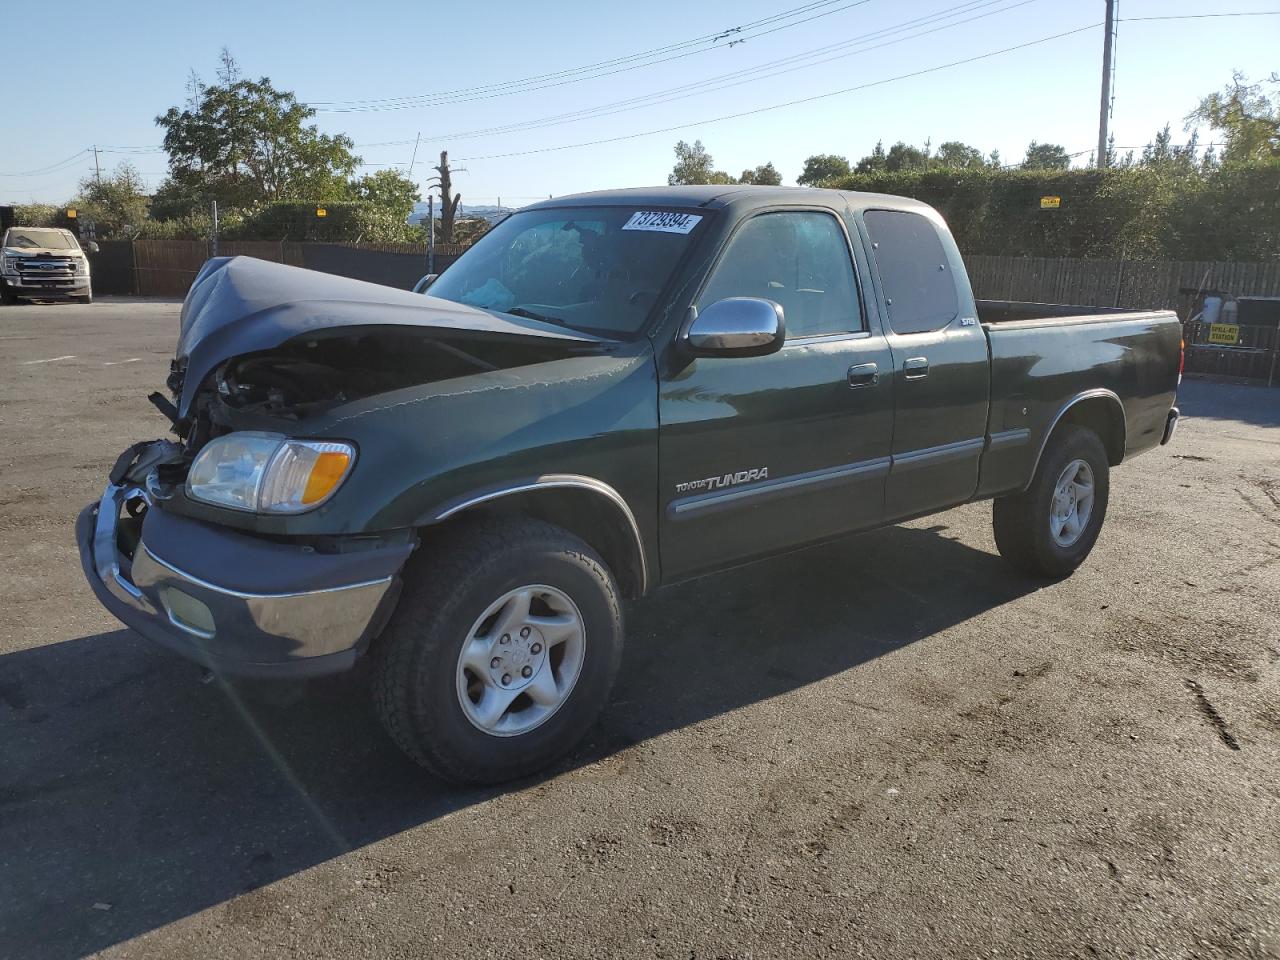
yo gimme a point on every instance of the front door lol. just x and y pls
(940, 365)
(760, 454)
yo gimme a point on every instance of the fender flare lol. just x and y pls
(1079, 397)
(552, 481)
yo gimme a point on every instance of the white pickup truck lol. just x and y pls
(44, 263)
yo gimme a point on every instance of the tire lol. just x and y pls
(454, 598)
(1029, 528)
(87, 298)
(7, 296)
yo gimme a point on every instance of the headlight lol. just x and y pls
(267, 473)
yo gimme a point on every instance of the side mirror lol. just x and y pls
(736, 327)
(426, 281)
(91, 246)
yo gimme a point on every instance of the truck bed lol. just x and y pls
(1045, 354)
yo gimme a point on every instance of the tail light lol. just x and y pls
(1182, 359)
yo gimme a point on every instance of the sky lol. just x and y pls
(104, 80)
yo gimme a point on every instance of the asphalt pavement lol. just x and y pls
(891, 746)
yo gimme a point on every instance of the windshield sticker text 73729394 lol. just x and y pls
(662, 221)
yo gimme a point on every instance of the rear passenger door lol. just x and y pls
(941, 368)
(759, 454)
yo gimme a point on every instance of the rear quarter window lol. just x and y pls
(918, 286)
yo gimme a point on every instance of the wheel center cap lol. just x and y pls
(518, 661)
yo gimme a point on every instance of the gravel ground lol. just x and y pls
(891, 746)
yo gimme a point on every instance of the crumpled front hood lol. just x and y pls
(241, 305)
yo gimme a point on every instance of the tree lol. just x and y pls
(903, 156)
(1046, 156)
(114, 202)
(448, 204)
(1163, 154)
(1245, 116)
(955, 155)
(389, 189)
(822, 167)
(470, 230)
(243, 142)
(694, 165)
(765, 175)
(874, 162)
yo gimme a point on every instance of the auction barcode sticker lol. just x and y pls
(662, 221)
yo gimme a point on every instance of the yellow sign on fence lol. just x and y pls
(1050, 203)
(321, 212)
(71, 213)
(1228, 333)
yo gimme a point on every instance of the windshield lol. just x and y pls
(596, 269)
(48, 239)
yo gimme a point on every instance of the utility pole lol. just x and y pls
(97, 170)
(1104, 111)
(413, 158)
(431, 233)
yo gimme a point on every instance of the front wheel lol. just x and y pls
(1049, 529)
(502, 651)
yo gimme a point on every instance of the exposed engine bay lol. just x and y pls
(307, 375)
(263, 346)
(304, 376)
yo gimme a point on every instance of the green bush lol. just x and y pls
(1135, 213)
(42, 215)
(343, 221)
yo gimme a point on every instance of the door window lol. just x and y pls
(799, 260)
(918, 286)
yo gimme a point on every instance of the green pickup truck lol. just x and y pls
(607, 393)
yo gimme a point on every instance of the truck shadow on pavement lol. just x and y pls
(132, 794)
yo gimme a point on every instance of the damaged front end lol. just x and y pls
(263, 351)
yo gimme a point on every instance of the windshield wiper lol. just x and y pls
(532, 315)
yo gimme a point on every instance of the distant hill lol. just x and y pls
(466, 211)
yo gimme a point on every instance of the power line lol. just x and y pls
(1205, 16)
(50, 168)
(763, 71)
(705, 38)
(67, 162)
(532, 84)
(788, 103)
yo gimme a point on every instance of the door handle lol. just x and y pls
(915, 368)
(864, 375)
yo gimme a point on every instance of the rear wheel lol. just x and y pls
(502, 651)
(1049, 529)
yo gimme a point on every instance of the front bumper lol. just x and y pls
(235, 603)
(79, 286)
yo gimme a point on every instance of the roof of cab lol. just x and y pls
(720, 195)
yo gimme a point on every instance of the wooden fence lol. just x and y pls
(1167, 285)
(166, 268)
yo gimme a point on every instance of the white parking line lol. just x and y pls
(69, 356)
(116, 363)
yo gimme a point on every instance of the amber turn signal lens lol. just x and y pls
(326, 473)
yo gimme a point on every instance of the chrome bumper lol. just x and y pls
(290, 632)
(1170, 425)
